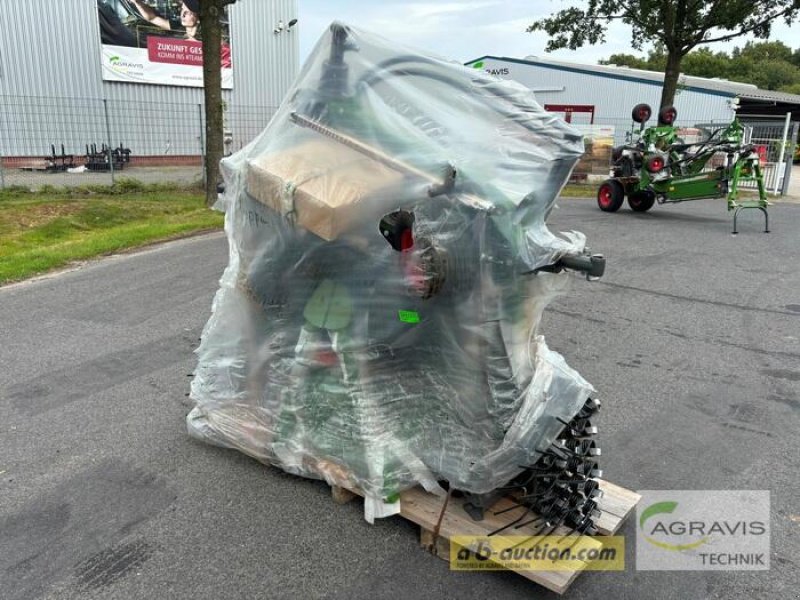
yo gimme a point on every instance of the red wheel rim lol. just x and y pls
(604, 195)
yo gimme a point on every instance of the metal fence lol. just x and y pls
(83, 141)
(80, 141)
(775, 142)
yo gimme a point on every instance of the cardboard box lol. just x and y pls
(323, 186)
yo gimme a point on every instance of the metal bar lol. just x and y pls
(784, 140)
(202, 142)
(787, 174)
(108, 137)
(378, 155)
(2, 180)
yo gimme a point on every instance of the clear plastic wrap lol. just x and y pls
(377, 323)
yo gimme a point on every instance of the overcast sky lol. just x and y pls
(467, 29)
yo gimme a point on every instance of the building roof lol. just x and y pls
(718, 86)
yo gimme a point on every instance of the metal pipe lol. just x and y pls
(108, 136)
(784, 141)
(787, 173)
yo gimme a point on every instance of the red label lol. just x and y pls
(175, 51)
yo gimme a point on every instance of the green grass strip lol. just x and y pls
(41, 232)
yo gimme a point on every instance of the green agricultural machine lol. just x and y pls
(657, 166)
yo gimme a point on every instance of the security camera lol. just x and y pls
(292, 23)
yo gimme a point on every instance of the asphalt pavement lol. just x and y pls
(692, 339)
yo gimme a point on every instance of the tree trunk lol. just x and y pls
(212, 87)
(671, 74)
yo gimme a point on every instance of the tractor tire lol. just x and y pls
(610, 195)
(667, 115)
(641, 113)
(642, 200)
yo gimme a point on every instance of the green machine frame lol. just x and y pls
(658, 166)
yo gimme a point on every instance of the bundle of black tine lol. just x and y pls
(560, 488)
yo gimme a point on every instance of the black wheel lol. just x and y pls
(667, 115)
(641, 200)
(610, 195)
(641, 113)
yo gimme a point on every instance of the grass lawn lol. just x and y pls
(579, 190)
(49, 229)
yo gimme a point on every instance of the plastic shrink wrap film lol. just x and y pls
(376, 325)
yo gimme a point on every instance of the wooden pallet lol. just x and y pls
(440, 519)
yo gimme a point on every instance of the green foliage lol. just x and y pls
(129, 184)
(761, 51)
(769, 65)
(123, 185)
(774, 74)
(705, 63)
(626, 60)
(676, 26)
(791, 89)
(15, 190)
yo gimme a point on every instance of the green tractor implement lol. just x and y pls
(657, 166)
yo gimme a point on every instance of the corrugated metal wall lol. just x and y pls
(613, 98)
(50, 50)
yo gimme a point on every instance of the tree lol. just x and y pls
(655, 61)
(626, 60)
(210, 12)
(763, 51)
(679, 25)
(791, 89)
(705, 63)
(769, 65)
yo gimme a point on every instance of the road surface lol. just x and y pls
(692, 339)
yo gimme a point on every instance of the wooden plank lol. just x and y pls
(425, 509)
(341, 495)
(615, 505)
(617, 500)
(435, 544)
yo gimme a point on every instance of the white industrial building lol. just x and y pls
(75, 72)
(613, 91)
(604, 95)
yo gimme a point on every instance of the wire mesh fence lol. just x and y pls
(94, 141)
(47, 141)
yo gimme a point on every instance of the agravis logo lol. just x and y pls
(703, 530)
(500, 71)
(123, 66)
(666, 508)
